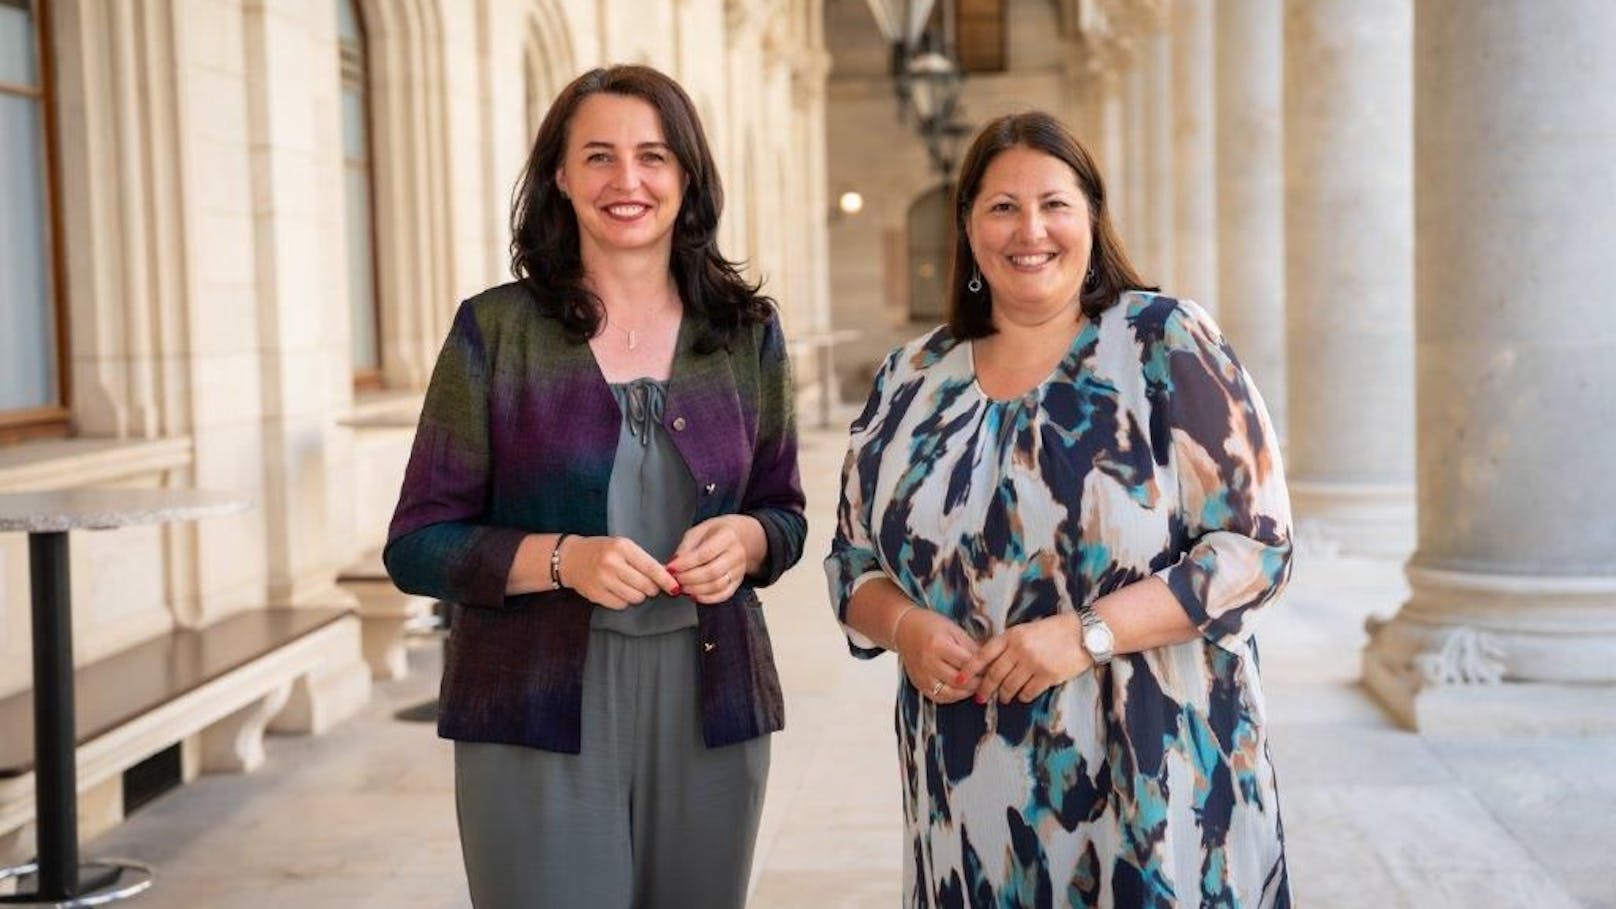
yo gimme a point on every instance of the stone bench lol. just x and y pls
(386, 614)
(213, 691)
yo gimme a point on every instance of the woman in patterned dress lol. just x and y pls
(1064, 510)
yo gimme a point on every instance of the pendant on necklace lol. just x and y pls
(632, 340)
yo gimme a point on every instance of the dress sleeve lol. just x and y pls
(774, 488)
(438, 544)
(1231, 484)
(852, 560)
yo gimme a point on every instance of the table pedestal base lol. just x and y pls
(100, 882)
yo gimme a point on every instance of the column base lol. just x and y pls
(1480, 654)
(1359, 519)
(1496, 710)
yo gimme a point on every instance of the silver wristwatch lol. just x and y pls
(1097, 637)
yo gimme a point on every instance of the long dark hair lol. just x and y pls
(545, 255)
(970, 313)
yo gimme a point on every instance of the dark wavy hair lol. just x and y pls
(970, 314)
(545, 255)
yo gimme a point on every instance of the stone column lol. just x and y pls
(809, 78)
(1096, 113)
(1511, 623)
(1156, 222)
(1194, 155)
(1080, 101)
(743, 38)
(1250, 191)
(1111, 145)
(1349, 272)
(1135, 113)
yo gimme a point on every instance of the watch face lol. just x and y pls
(1097, 638)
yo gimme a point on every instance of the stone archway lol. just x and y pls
(547, 60)
(928, 241)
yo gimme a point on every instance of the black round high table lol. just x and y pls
(58, 878)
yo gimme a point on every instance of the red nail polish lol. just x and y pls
(981, 701)
(678, 591)
(959, 680)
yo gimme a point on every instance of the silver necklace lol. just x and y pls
(632, 335)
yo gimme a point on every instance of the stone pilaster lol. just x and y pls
(1349, 272)
(303, 376)
(1511, 622)
(1250, 191)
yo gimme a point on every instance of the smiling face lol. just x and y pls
(1030, 234)
(623, 180)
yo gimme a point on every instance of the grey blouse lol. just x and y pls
(651, 500)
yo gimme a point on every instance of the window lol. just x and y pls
(357, 185)
(33, 386)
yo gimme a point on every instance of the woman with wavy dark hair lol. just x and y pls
(605, 471)
(1065, 511)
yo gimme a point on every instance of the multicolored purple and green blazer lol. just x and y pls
(517, 436)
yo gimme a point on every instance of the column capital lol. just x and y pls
(809, 70)
(750, 19)
(1104, 36)
(1135, 18)
(779, 44)
(1097, 59)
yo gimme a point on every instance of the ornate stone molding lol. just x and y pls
(1464, 656)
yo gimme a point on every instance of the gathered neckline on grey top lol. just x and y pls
(643, 400)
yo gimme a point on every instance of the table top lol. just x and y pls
(57, 510)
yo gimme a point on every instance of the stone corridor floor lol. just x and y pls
(1375, 817)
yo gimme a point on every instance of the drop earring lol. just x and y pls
(975, 284)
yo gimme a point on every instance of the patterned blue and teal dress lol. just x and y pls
(1145, 783)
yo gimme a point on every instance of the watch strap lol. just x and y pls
(1091, 619)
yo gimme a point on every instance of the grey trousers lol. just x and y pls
(646, 816)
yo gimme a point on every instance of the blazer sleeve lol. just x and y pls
(438, 544)
(1231, 484)
(774, 488)
(852, 560)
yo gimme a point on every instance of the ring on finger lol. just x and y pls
(724, 578)
(937, 688)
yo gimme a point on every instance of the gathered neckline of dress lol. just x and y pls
(1065, 368)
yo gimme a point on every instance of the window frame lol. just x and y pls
(365, 380)
(52, 420)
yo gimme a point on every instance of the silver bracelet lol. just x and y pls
(893, 637)
(555, 563)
